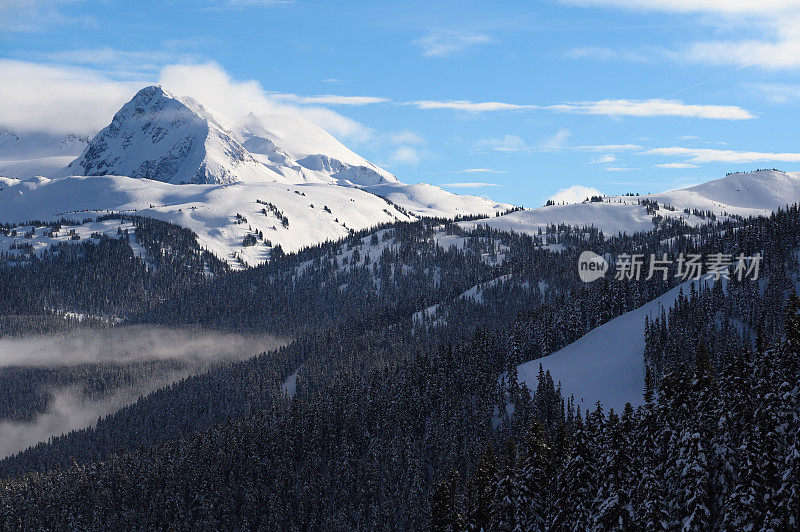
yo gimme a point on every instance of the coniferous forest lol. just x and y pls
(406, 412)
(449, 266)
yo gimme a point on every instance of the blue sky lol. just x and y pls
(513, 100)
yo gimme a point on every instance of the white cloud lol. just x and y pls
(331, 99)
(406, 155)
(443, 43)
(507, 143)
(656, 107)
(619, 169)
(603, 159)
(35, 15)
(210, 84)
(465, 105)
(406, 137)
(777, 92)
(557, 140)
(779, 19)
(614, 108)
(773, 55)
(708, 155)
(338, 125)
(479, 171)
(470, 185)
(574, 194)
(513, 143)
(676, 165)
(695, 6)
(59, 99)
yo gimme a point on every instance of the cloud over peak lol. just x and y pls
(69, 99)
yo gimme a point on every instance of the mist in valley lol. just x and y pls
(183, 352)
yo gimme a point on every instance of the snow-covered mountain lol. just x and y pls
(289, 141)
(292, 216)
(742, 194)
(176, 140)
(290, 183)
(160, 136)
(278, 179)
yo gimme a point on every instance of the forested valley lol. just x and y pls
(406, 412)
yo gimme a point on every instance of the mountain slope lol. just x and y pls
(291, 141)
(742, 194)
(271, 214)
(607, 363)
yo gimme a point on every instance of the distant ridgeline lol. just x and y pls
(400, 419)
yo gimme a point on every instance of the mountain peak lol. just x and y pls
(159, 136)
(147, 94)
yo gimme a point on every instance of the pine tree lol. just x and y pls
(613, 502)
(576, 485)
(480, 491)
(503, 516)
(446, 513)
(792, 323)
(532, 486)
(789, 493)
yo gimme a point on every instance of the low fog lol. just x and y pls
(132, 344)
(69, 409)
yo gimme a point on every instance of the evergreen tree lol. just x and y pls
(503, 514)
(532, 486)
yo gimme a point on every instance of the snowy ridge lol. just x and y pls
(221, 215)
(314, 212)
(742, 194)
(428, 200)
